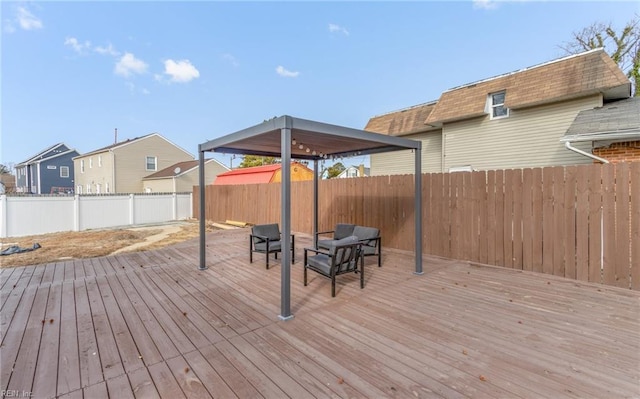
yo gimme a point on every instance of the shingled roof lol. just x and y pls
(405, 121)
(616, 120)
(563, 79)
(175, 169)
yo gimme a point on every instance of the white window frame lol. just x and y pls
(64, 169)
(88, 188)
(98, 188)
(155, 163)
(82, 166)
(90, 163)
(79, 189)
(493, 106)
(99, 161)
(106, 188)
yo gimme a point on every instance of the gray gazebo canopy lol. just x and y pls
(314, 141)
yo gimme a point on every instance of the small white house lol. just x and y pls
(354, 171)
(181, 177)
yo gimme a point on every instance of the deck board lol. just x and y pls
(151, 325)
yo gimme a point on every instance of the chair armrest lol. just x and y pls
(263, 238)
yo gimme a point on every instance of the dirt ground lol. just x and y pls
(92, 243)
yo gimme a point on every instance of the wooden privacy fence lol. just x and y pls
(580, 222)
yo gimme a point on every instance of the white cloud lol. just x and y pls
(181, 71)
(28, 21)
(280, 70)
(485, 4)
(337, 28)
(8, 26)
(129, 64)
(76, 45)
(230, 59)
(108, 50)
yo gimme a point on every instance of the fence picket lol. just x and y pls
(634, 189)
(559, 217)
(623, 226)
(570, 222)
(595, 225)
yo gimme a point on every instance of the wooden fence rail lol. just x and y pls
(580, 222)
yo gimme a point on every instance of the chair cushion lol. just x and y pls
(368, 250)
(365, 233)
(274, 246)
(321, 262)
(271, 231)
(343, 230)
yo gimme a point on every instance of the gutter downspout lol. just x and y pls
(586, 154)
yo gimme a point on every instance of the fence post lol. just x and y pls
(3, 216)
(191, 204)
(132, 213)
(76, 212)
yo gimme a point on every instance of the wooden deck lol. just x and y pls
(149, 324)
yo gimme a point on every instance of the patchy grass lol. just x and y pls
(91, 243)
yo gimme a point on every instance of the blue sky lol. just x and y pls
(72, 72)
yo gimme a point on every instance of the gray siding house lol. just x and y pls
(515, 120)
(48, 172)
(122, 166)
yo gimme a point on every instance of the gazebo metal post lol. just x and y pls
(285, 270)
(315, 203)
(418, 209)
(203, 255)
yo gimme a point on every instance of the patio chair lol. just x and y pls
(369, 236)
(265, 239)
(342, 258)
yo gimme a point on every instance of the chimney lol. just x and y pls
(361, 170)
(116, 137)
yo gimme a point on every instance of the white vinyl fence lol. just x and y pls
(30, 215)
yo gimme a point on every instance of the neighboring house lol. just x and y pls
(514, 120)
(263, 174)
(50, 170)
(613, 131)
(182, 176)
(121, 167)
(354, 171)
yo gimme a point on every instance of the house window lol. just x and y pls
(352, 173)
(99, 161)
(90, 163)
(79, 190)
(106, 188)
(496, 101)
(64, 171)
(98, 188)
(88, 188)
(82, 166)
(152, 163)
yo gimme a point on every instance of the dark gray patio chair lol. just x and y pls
(265, 239)
(369, 236)
(343, 257)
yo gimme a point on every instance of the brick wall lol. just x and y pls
(620, 152)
